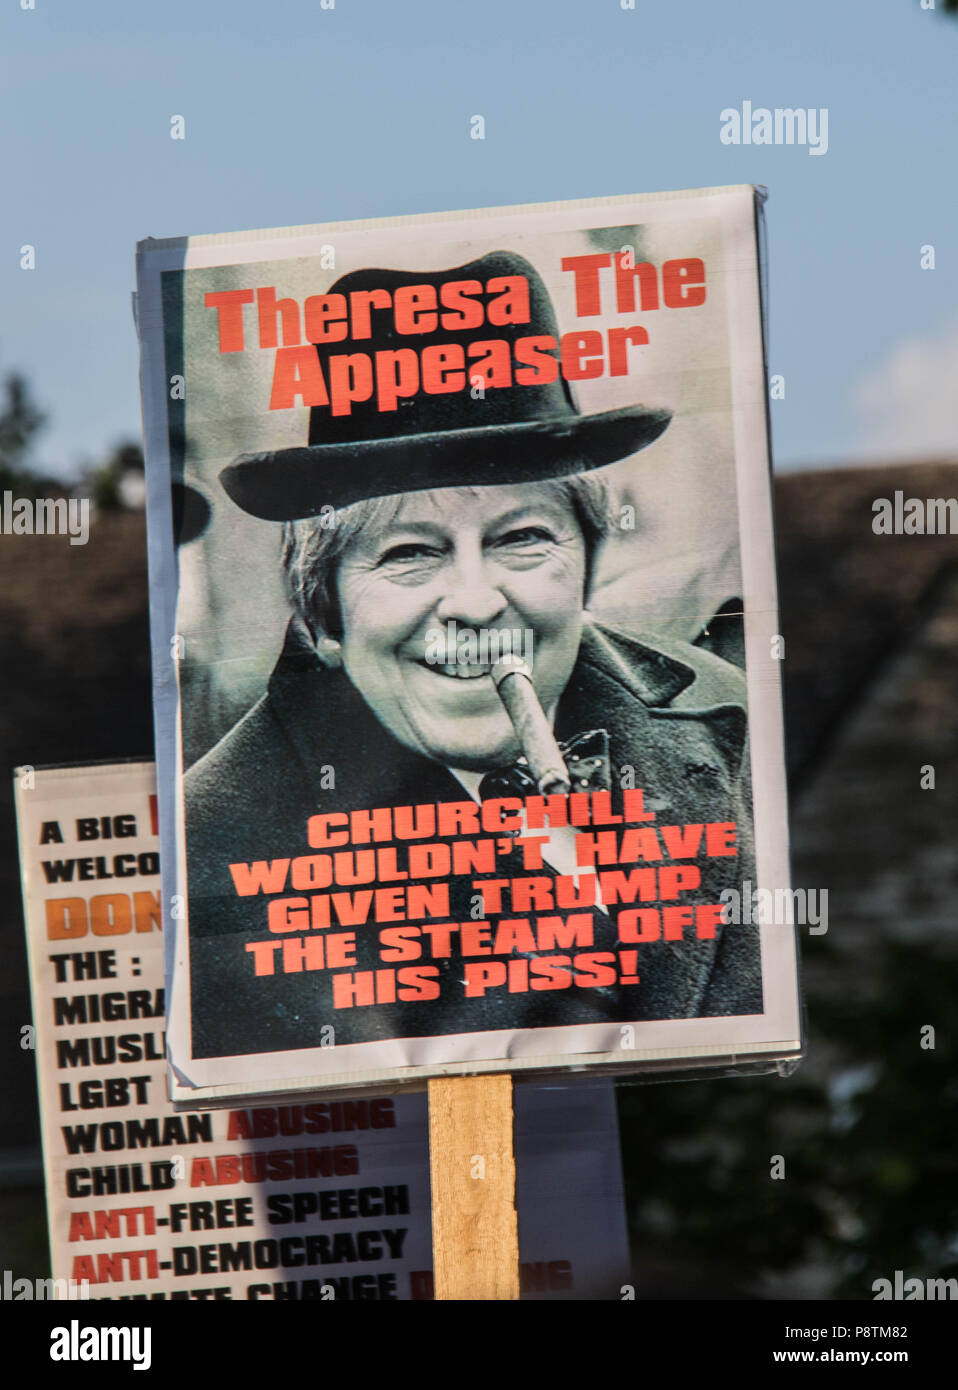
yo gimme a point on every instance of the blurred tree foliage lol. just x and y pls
(869, 1184)
(20, 420)
(105, 482)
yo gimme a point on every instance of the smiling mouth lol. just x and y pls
(458, 670)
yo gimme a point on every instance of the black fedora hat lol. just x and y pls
(191, 513)
(513, 433)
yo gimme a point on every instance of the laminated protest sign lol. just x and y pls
(323, 1199)
(466, 647)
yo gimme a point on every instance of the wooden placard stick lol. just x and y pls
(475, 1239)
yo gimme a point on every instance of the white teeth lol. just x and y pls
(464, 672)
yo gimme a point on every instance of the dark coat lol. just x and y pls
(677, 718)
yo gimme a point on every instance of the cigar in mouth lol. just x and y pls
(513, 681)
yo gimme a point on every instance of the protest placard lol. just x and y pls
(466, 646)
(325, 1199)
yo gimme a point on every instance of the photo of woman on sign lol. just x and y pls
(439, 559)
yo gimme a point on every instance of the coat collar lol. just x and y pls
(650, 675)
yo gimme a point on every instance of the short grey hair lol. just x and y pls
(313, 547)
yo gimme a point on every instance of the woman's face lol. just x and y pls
(486, 559)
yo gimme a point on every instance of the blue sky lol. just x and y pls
(298, 114)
